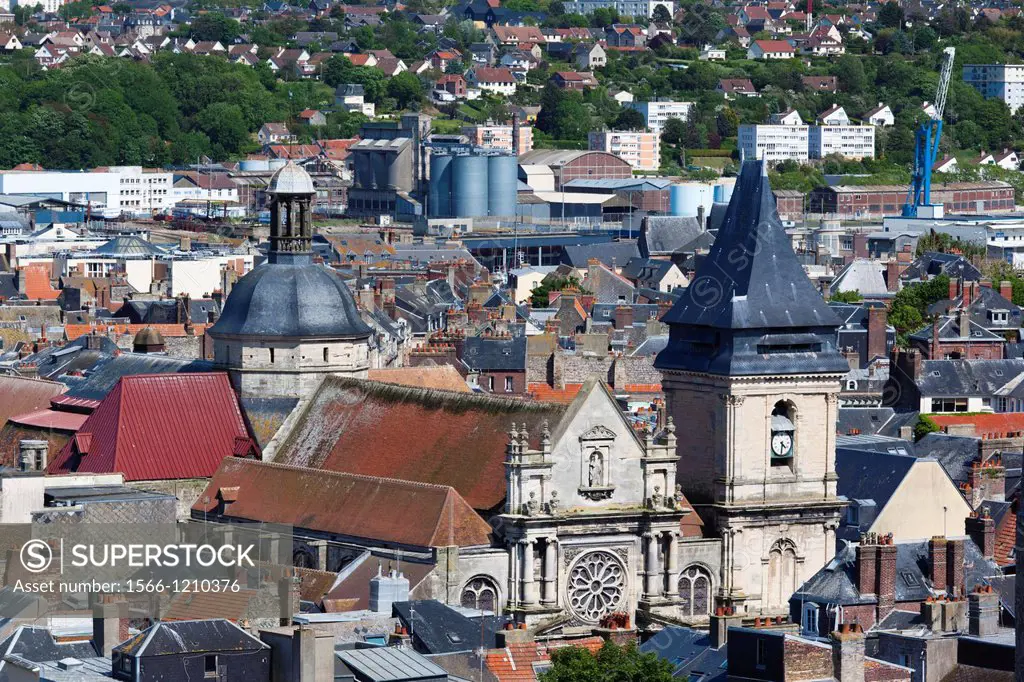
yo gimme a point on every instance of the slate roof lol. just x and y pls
(495, 354)
(752, 287)
(380, 509)
(390, 664)
(665, 234)
(299, 300)
(954, 453)
(652, 345)
(145, 429)
(970, 378)
(460, 441)
(864, 276)
(440, 629)
(949, 330)
(37, 644)
(872, 473)
(608, 286)
(983, 300)
(609, 253)
(881, 421)
(934, 263)
(103, 373)
(689, 652)
(190, 637)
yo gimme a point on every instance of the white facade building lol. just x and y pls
(49, 6)
(999, 81)
(849, 141)
(111, 192)
(774, 142)
(632, 8)
(657, 112)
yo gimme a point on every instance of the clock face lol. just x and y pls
(782, 443)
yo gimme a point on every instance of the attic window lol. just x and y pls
(936, 374)
(999, 372)
(910, 579)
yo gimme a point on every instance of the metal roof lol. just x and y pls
(390, 664)
(620, 184)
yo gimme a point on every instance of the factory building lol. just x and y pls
(389, 167)
(472, 182)
(546, 170)
(874, 201)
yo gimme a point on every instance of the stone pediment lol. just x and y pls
(598, 433)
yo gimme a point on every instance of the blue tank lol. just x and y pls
(439, 190)
(502, 185)
(469, 186)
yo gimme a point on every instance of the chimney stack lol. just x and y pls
(724, 618)
(937, 560)
(892, 275)
(623, 316)
(983, 612)
(982, 530)
(848, 653)
(106, 625)
(1006, 290)
(955, 567)
(877, 318)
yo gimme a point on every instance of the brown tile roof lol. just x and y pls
(443, 377)
(352, 593)
(37, 282)
(12, 434)
(353, 426)
(384, 509)
(515, 662)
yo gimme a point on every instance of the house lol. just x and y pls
(835, 115)
(498, 361)
(987, 307)
(1006, 159)
(820, 83)
(951, 386)
(452, 83)
(589, 57)
(880, 116)
(497, 80)
(770, 49)
(710, 53)
(193, 649)
(824, 41)
(483, 53)
(892, 490)
(947, 164)
(352, 97)
(9, 42)
(442, 59)
(275, 133)
(514, 35)
(654, 273)
(518, 60)
(626, 35)
(574, 80)
(789, 117)
(736, 87)
(312, 117)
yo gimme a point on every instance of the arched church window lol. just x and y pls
(781, 573)
(695, 592)
(480, 593)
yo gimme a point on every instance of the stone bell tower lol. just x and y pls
(752, 370)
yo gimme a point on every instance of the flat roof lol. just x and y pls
(75, 495)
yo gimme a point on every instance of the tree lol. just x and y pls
(661, 15)
(539, 294)
(924, 426)
(612, 663)
(630, 119)
(406, 88)
(849, 72)
(225, 125)
(563, 115)
(674, 131)
(891, 15)
(215, 26)
(846, 297)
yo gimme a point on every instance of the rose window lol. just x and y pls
(597, 585)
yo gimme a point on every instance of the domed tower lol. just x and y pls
(149, 340)
(289, 322)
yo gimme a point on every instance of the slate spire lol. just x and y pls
(751, 297)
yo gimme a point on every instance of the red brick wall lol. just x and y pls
(518, 382)
(807, 662)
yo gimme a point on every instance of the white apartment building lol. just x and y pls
(657, 112)
(999, 81)
(641, 150)
(849, 141)
(631, 8)
(49, 6)
(109, 192)
(774, 142)
(499, 137)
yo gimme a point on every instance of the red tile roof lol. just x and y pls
(382, 509)
(1006, 535)
(515, 662)
(774, 46)
(21, 395)
(158, 427)
(37, 282)
(549, 394)
(1001, 425)
(73, 331)
(364, 427)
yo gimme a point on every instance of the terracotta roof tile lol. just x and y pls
(37, 282)
(364, 427)
(548, 394)
(443, 377)
(999, 425)
(515, 662)
(383, 509)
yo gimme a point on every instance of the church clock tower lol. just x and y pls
(751, 377)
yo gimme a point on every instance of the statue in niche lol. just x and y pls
(553, 503)
(532, 505)
(596, 470)
(656, 498)
(677, 498)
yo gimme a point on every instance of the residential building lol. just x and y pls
(352, 97)
(880, 116)
(642, 150)
(629, 8)
(499, 81)
(275, 133)
(736, 87)
(1006, 159)
(500, 137)
(997, 81)
(658, 111)
(834, 116)
(710, 53)
(848, 141)
(770, 49)
(590, 56)
(629, 36)
(111, 191)
(820, 83)
(574, 80)
(774, 142)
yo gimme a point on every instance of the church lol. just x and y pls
(729, 502)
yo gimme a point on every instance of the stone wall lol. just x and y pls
(186, 490)
(563, 368)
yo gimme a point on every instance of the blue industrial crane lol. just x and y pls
(926, 144)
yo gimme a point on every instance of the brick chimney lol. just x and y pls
(892, 275)
(848, 653)
(955, 567)
(1006, 290)
(982, 530)
(867, 568)
(968, 294)
(724, 618)
(964, 322)
(937, 561)
(877, 316)
(623, 316)
(954, 288)
(986, 481)
(886, 589)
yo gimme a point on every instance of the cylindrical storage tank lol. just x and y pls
(502, 183)
(439, 193)
(254, 165)
(684, 200)
(364, 170)
(276, 164)
(675, 200)
(394, 170)
(379, 162)
(469, 186)
(726, 185)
